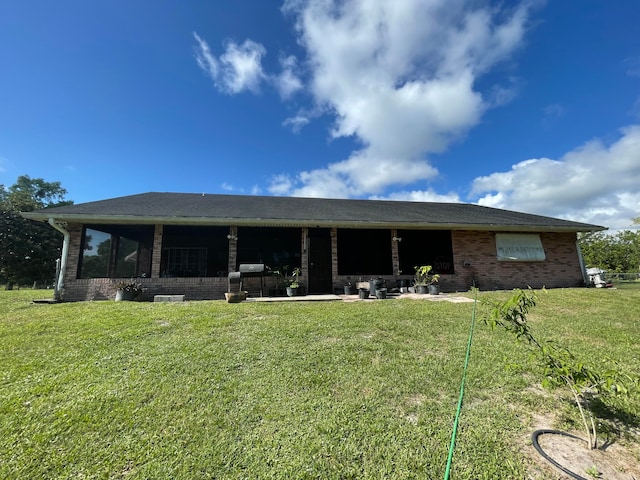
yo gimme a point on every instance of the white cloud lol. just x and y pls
(552, 113)
(420, 196)
(501, 95)
(227, 186)
(280, 184)
(206, 60)
(595, 183)
(288, 82)
(297, 122)
(399, 77)
(554, 110)
(238, 68)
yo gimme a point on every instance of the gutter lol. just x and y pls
(284, 222)
(585, 277)
(57, 292)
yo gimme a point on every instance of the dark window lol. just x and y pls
(425, 247)
(184, 262)
(189, 251)
(116, 251)
(364, 252)
(275, 247)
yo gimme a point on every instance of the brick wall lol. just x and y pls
(477, 250)
(561, 268)
(206, 288)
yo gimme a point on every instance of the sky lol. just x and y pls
(530, 106)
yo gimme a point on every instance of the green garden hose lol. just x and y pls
(464, 376)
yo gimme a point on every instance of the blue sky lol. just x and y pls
(531, 106)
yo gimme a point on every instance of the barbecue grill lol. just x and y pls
(247, 270)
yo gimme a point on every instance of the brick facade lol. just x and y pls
(477, 250)
(474, 256)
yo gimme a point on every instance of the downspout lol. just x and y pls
(585, 277)
(57, 292)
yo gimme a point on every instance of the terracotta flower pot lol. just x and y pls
(235, 297)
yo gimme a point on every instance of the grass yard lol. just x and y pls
(334, 390)
(627, 284)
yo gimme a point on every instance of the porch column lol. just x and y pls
(156, 253)
(75, 253)
(395, 256)
(334, 257)
(304, 257)
(233, 248)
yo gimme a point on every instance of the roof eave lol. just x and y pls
(274, 222)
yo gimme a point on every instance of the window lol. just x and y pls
(274, 247)
(190, 251)
(96, 251)
(185, 262)
(519, 247)
(364, 252)
(115, 251)
(425, 247)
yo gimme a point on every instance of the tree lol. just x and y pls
(557, 364)
(619, 252)
(28, 249)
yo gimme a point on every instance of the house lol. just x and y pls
(177, 243)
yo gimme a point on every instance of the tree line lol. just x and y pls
(616, 253)
(29, 249)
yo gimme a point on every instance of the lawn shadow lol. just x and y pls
(616, 422)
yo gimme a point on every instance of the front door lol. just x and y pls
(320, 280)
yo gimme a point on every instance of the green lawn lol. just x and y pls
(627, 284)
(285, 390)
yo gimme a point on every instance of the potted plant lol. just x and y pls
(349, 289)
(235, 297)
(281, 281)
(127, 290)
(294, 284)
(425, 280)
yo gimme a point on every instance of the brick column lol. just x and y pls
(233, 248)
(304, 257)
(334, 257)
(74, 253)
(395, 256)
(156, 252)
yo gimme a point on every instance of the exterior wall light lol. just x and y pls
(396, 239)
(232, 237)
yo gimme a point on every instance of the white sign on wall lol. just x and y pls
(519, 247)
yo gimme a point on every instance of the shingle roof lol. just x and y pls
(188, 208)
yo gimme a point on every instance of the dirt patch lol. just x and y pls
(612, 460)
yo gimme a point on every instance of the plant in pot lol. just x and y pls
(294, 283)
(281, 281)
(349, 289)
(425, 280)
(127, 290)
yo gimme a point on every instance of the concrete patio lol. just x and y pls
(445, 297)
